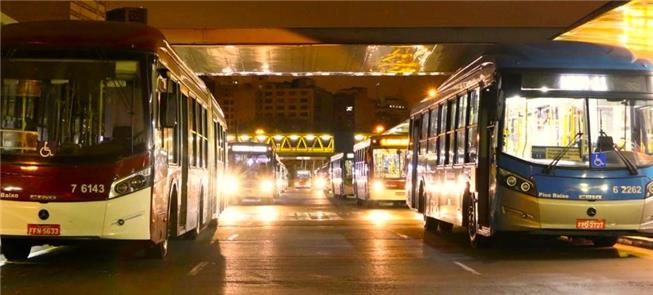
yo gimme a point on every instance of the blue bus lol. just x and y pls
(547, 139)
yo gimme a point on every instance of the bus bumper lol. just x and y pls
(521, 212)
(388, 195)
(252, 194)
(122, 218)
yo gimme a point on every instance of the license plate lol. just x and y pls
(590, 224)
(43, 229)
(399, 193)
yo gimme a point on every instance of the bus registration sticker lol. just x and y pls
(590, 224)
(43, 229)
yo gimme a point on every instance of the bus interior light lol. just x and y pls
(394, 142)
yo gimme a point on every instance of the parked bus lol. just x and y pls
(253, 172)
(548, 139)
(106, 134)
(341, 175)
(379, 173)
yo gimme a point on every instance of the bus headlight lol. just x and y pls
(377, 186)
(649, 190)
(134, 182)
(515, 182)
(266, 185)
(231, 184)
(320, 183)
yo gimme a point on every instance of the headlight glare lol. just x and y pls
(377, 186)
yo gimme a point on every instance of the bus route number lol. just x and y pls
(627, 189)
(87, 188)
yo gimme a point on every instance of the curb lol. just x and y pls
(636, 241)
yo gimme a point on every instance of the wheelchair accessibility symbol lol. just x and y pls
(599, 160)
(45, 151)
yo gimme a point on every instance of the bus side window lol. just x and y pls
(472, 127)
(433, 133)
(170, 109)
(442, 143)
(192, 148)
(461, 130)
(425, 134)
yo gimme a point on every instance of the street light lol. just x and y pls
(433, 92)
(379, 128)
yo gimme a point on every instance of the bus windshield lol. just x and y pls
(72, 108)
(249, 164)
(539, 129)
(388, 163)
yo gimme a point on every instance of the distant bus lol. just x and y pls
(547, 139)
(303, 179)
(105, 134)
(379, 173)
(322, 179)
(281, 176)
(253, 172)
(341, 175)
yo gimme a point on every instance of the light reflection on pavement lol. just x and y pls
(305, 243)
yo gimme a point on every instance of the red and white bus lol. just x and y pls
(106, 134)
(379, 174)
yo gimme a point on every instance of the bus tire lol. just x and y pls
(421, 206)
(173, 224)
(15, 250)
(444, 227)
(604, 241)
(194, 233)
(430, 224)
(157, 250)
(475, 240)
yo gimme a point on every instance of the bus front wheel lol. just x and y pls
(15, 249)
(475, 240)
(157, 250)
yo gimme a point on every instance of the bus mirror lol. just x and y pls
(168, 110)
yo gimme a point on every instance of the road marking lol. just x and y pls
(405, 237)
(41, 252)
(232, 237)
(467, 268)
(197, 268)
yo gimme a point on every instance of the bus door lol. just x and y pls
(416, 127)
(486, 170)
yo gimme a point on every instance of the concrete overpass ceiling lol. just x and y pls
(302, 60)
(352, 38)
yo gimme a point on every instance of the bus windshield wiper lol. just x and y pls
(631, 167)
(562, 153)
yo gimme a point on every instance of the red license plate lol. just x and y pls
(43, 229)
(590, 224)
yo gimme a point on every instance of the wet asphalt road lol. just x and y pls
(307, 244)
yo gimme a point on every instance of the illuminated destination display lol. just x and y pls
(545, 82)
(249, 148)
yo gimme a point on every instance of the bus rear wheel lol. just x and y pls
(604, 241)
(15, 250)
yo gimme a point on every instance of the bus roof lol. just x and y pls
(569, 56)
(565, 55)
(82, 34)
